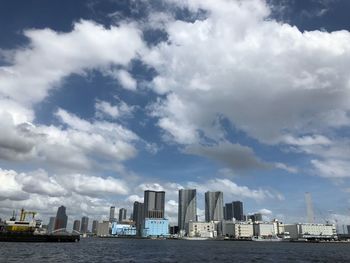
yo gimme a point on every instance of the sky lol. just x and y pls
(101, 100)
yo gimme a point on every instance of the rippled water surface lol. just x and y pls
(129, 250)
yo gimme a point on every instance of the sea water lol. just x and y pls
(138, 250)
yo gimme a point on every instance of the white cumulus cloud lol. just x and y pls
(52, 56)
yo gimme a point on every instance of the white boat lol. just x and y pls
(195, 238)
(267, 239)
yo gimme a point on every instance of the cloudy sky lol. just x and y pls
(100, 100)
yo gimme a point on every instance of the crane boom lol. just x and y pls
(25, 213)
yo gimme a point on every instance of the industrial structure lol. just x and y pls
(311, 231)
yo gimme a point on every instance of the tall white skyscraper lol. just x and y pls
(187, 208)
(214, 206)
(309, 208)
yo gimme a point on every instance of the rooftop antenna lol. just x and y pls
(309, 208)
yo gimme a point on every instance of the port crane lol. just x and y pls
(25, 213)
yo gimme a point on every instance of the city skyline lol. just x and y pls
(113, 98)
(216, 214)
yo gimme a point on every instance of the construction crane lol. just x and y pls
(25, 213)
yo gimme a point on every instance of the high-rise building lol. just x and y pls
(348, 228)
(228, 211)
(122, 214)
(111, 214)
(51, 225)
(309, 208)
(103, 229)
(76, 226)
(257, 217)
(187, 208)
(154, 202)
(61, 218)
(214, 206)
(94, 227)
(234, 210)
(138, 213)
(238, 210)
(84, 225)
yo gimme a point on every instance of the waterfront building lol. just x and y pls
(214, 206)
(154, 202)
(238, 230)
(61, 219)
(123, 229)
(137, 214)
(111, 214)
(348, 228)
(84, 225)
(264, 229)
(155, 227)
(94, 227)
(202, 229)
(122, 215)
(187, 211)
(234, 210)
(103, 229)
(311, 231)
(51, 225)
(76, 226)
(278, 227)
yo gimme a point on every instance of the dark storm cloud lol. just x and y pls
(235, 156)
